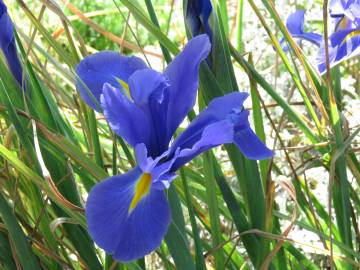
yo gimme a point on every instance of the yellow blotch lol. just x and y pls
(125, 86)
(142, 188)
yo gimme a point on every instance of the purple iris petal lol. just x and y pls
(126, 235)
(8, 43)
(352, 12)
(183, 76)
(104, 67)
(295, 25)
(124, 117)
(337, 8)
(197, 16)
(295, 22)
(222, 122)
(159, 168)
(128, 214)
(346, 13)
(150, 91)
(341, 48)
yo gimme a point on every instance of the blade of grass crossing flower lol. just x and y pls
(213, 209)
(175, 238)
(23, 250)
(200, 262)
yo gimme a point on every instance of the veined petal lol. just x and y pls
(352, 12)
(104, 67)
(218, 124)
(213, 135)
(124, 117)
(149, 91)
(8, 45)
(183, 75)
(343, 45)
(128, 235)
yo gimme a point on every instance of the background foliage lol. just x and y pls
(297, 211)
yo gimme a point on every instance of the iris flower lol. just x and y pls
(344, 43)
(8, 43)
(295, 26)
(197, 16)
(128, 214)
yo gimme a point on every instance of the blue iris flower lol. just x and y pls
(344, 43)
(197, 16)
(8, 43)
(295, 26)
(128, 214)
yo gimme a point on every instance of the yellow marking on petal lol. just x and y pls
(349, 36)
(142, 188)
(343, 23)
(125, 86)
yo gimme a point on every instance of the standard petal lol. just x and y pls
(183, 75)
(126, 235)
(295, 25)
(295, 22)
(104, 67)
(124, 117)
(149, 91)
